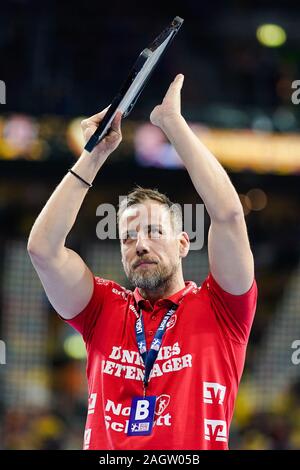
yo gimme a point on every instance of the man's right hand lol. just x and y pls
(111, 141)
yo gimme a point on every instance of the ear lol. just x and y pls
(184, 244)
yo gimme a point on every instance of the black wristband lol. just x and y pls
(80, 178)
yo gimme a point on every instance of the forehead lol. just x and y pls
(148, 213)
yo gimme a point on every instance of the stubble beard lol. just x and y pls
(152, 279)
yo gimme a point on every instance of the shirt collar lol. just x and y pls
(174, 298)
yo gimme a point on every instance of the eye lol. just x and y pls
(130, 235)
(154, 231)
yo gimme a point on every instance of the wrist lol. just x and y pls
(93, 160)
(168, 122)
(95, 156)
(88, 165)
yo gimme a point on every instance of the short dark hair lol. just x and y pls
(139, 195)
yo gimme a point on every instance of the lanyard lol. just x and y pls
(150, 357)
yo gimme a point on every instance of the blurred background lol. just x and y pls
(62, 61)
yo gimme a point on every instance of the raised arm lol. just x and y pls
(67, 280)
(230, 257)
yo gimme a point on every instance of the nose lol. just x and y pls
(141, 246)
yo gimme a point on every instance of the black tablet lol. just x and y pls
(136, 81)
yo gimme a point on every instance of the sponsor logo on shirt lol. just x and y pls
(128, 364)
(172, 321)
(92, 403)
(161, 404)
(213, 393)
(131, 307)
(215, 430)
(102, 281)
(121, 293)
(87, 438)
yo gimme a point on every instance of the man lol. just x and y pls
(191, 339)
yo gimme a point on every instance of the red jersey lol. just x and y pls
(195, 376)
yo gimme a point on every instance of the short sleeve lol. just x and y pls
(85, 321)
(234, 313)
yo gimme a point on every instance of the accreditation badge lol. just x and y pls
(141, 416)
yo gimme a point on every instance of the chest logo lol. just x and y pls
(172, 321)
(161, 404)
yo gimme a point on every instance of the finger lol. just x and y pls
(178, 81)
(176, 85)
(180, 77)
(116, 123)
(95, 119)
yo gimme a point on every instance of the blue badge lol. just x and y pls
(141, 416)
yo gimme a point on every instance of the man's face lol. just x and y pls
(151, 249)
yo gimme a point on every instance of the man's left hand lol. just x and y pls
(171, 105)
